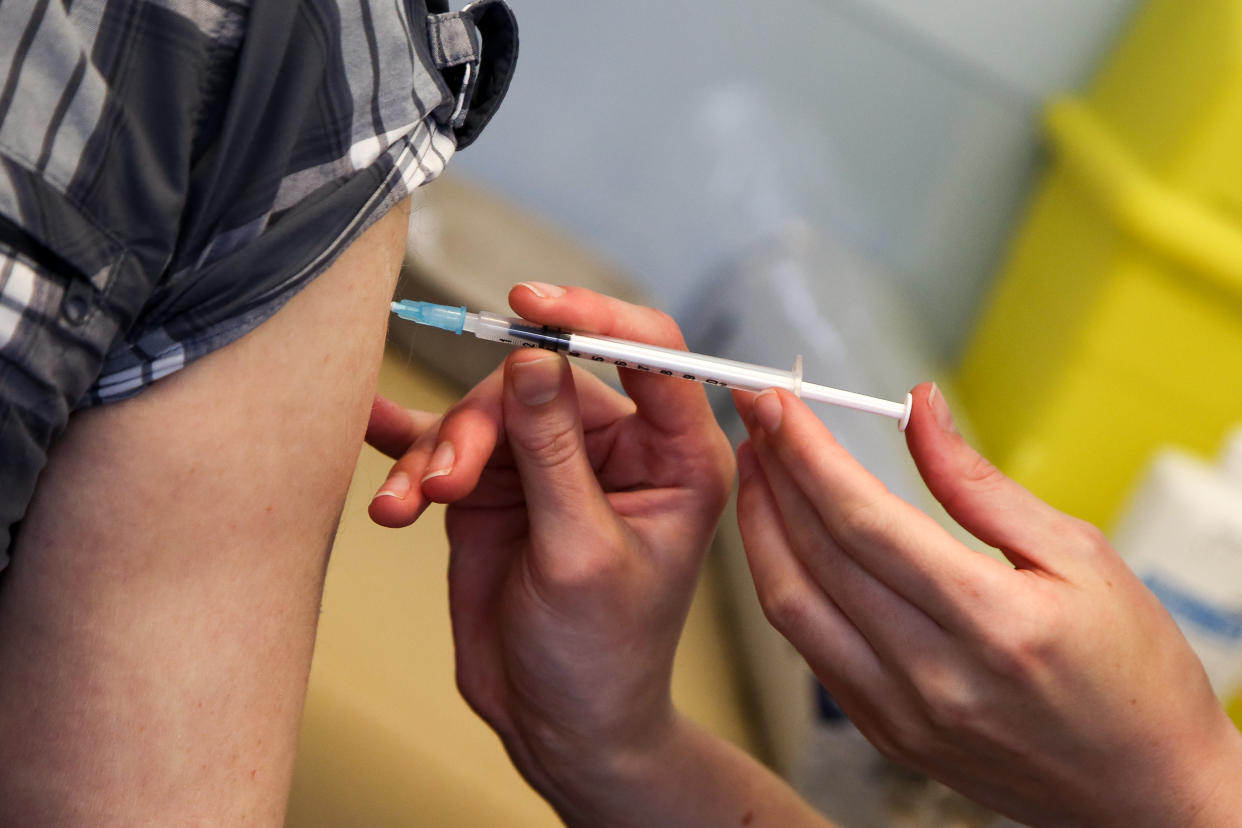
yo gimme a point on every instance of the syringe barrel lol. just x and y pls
(517, 332)
(636, 356)
(681, 364)
(727, 373)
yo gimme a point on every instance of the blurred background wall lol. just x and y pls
(672, 136)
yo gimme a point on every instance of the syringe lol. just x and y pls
(637, 356)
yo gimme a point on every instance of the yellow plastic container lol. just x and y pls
(1117, 325)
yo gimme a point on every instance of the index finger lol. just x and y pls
(898, 544)
(393, 428)
(677, 406)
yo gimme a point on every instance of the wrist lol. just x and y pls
(1218, 797)
(596, 782)
(1197, 789)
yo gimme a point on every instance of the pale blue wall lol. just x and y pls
(668, 136)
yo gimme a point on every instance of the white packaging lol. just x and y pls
(1182, 534)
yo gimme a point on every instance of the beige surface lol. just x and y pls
(386, 739)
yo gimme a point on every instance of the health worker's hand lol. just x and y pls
(578, 520)
(1056, 690)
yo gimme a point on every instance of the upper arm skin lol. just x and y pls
(158, 618)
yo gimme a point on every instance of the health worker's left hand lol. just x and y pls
(1054, 688)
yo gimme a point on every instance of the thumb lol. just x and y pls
(565, 504)
(989, 505)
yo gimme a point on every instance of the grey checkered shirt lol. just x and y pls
(172, 171)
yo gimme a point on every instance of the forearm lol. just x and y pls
(690, 778)
(1222, 794)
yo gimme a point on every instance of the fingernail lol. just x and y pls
(940, 410)
(543, 290)
(441, 462)
(767, 408)
(537, 381)
(397, 486)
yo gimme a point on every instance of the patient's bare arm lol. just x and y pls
(157, 622)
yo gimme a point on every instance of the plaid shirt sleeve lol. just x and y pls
(172, 171)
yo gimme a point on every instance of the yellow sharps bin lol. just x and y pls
(1116, 327)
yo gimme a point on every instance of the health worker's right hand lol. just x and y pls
(578, 518)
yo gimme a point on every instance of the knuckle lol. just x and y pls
(719, 476)
(585, 572)
(863, 522)
(665, 323)
(787, 609)
(952, 711)
(469, 689)
(948, 703)
(981, 471)
(899, 739)
(884, 739)
(593, 572)
(1018, 651)
(479, 696)
(710, 471)
(550, 446)
(978, 474)
(1088, 538)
